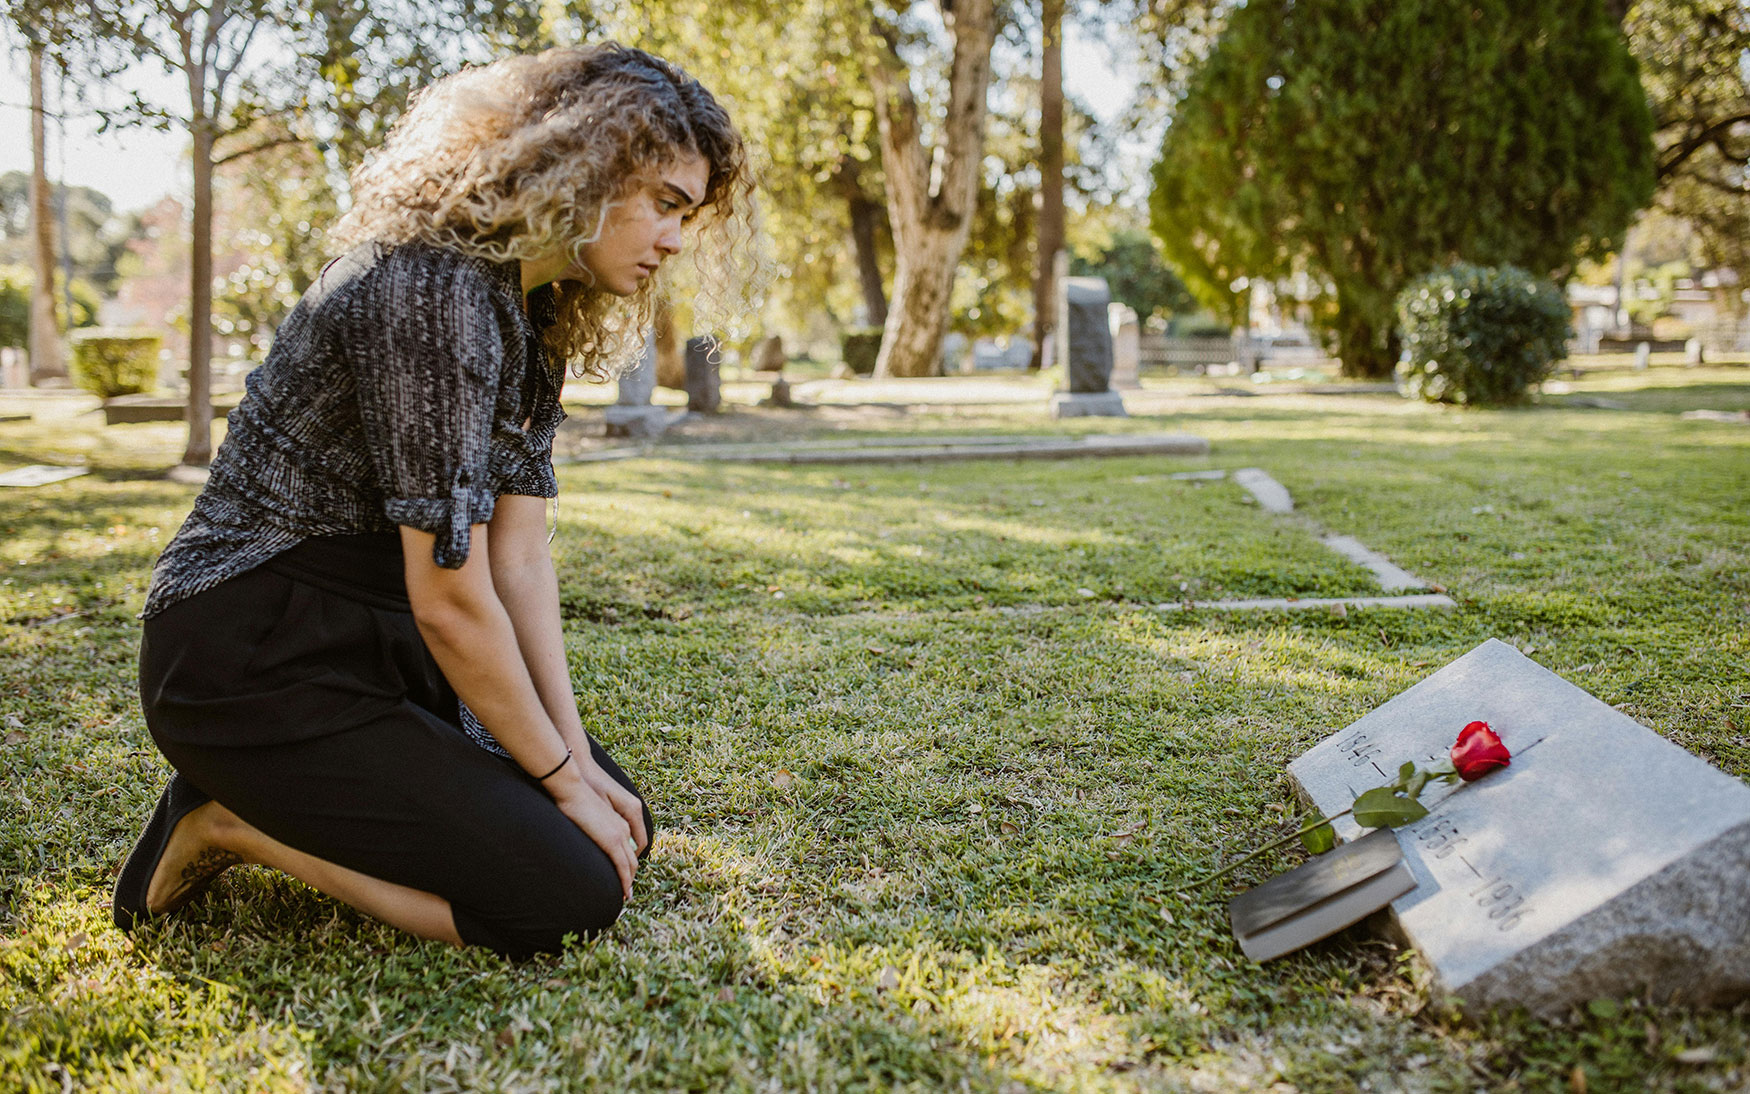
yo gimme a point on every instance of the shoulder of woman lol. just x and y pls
(428, 276)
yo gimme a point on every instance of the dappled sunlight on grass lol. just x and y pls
(923, 816)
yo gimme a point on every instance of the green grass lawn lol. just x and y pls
(927, 759)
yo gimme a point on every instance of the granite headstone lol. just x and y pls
(1603, 862)
(704, 384)
(632, 415)
(1126, 347)
(1084, 335)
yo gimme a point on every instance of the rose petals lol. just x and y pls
(1478, 751)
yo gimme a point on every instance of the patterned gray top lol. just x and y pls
(396, 392)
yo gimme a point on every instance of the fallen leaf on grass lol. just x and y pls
(1125, 835)
(888, 980)
(16, 738)
(975, 808)
(877, 650)
(782, 779)
(726, 993)
(1008, 828)
(1577, 1080)
(1704, 1054)
(506, 1038)
(76, 940)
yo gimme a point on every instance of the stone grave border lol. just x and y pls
(1274, 498)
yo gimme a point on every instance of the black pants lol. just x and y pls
(317, 715)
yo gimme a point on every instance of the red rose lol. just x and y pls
(1478, 751)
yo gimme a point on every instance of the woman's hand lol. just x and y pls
(601, 821)
(625, 803)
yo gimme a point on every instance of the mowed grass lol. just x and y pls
(928, 760)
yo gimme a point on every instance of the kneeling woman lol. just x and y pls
(352, 651)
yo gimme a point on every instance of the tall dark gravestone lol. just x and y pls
(704, 385)
(1084, 345)
(1087, 350)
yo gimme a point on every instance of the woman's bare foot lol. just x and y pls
(199, 851)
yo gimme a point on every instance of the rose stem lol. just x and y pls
(1236, 864)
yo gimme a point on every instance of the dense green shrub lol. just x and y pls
(1481, 335)
(860, 348)
(111, 361)
(14, 305)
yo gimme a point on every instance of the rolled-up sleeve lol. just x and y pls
(428, 377)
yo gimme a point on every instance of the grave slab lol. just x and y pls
(639, 421)
(1604, 862)
(1087, 404)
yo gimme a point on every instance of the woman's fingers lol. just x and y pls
(601, 822)
(631, 811)
(625, 803)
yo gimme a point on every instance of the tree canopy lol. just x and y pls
(1695, 64)
(1367, 142)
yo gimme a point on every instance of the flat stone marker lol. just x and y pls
(1604, 862)
(1270, 494)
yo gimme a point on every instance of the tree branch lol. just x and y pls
(1674, 156)
(242, 153)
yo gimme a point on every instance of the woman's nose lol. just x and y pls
(669, 241)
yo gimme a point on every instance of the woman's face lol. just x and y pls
(640, 230)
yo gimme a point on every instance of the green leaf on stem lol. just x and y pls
(1321, 839)
(1381, 808)
(1417, 782)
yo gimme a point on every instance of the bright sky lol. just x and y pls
(135, 167)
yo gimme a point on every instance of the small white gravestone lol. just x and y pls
(1603, 862)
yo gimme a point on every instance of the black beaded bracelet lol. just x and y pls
(556, 767)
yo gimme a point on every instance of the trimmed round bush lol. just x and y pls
(1480, 335)
(111, 361)
(860, 348)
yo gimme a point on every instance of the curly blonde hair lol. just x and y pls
(519, 158)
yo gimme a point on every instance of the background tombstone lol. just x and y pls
(987, 354)
(769, 355)
(1126, 347)
(954, 353)
(632, 415)
(1084, 345)
(704, 385)
(1020, 352)
(1604, 862)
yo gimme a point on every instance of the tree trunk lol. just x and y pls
(1050, 233)
(865, 216)
(200, 306)
(930, 191)
(867, 219)
(46, 359)
(1367, 350)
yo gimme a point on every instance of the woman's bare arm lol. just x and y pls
(470, 633)
(522, 575)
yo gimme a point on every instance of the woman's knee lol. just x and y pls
(580, 902)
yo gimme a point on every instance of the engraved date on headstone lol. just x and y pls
(1497, 898)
